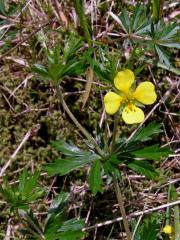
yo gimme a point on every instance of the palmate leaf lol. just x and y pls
(22, 195)
(2, 7)
(80, 10)
(66, 165)
(75, 158)
(94, 178)
(32, 229)
(163, 55)
(156, 10)
(72, 46)
(125, 20)
(146, 133)
(105, 71)
(139, 22)
(150, 228)
(41, 70)
(167, 32)
(153, 152)
(143, 168)
(72, 228)
(56, 215)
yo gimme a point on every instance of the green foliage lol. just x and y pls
(105, 70)
(155, 36)
(153, 152)
(149, 229)
(173, 196)
(25, 193)
(138, 23)
(135, 154)
(79, 6)
(146, 133)
(56, 225)
(94, 178)
(8, 9)
(143, 168)
(156, 10)
(62, 62)
(74, 158)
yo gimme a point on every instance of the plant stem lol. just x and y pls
(76, 122)
(122, 209)
(116, 120)
(119, 195)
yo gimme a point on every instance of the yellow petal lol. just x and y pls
(168, 229)
(112, 102)
(132, 114)
(145, 93)
(124, 80)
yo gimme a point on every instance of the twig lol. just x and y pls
(122, 209)
(133, 215)
(26, 38)
(76, 122)
(8, 231)
(33, 130)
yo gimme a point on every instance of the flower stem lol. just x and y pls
(122, 208)
(119, 195)
(116, 120)
(76, 122)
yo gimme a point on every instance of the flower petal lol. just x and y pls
(168, 229)
(112, 102)
(145, 93)
(124, 80)
(132, 114)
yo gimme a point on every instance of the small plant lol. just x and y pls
(126, 53)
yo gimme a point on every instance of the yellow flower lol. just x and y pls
(168, 229)
(127, 97)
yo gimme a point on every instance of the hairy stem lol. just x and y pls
(76, 122)
(122, 208)
(119, 195)
(116, 120)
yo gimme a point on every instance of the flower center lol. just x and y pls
(128, 98)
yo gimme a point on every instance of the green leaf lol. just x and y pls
(64, 166)
(79, 6)
(137, 13)
(71, 230)
(144, 168)
(41, 70)
(73, 67)
(94, 178)
(163, 56)
(174, 197)
(145, 133)
(31, 224)
(75, 158)
(125, 20)
(153, 152)
(72, 225)
(2, 7)
(27, 183)
(169, 44)
(72, 150)
(156, 7)
(150, 227)
(167, 32)
(73, 44)
(139, 21)
(25, 193)
(56, 214)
